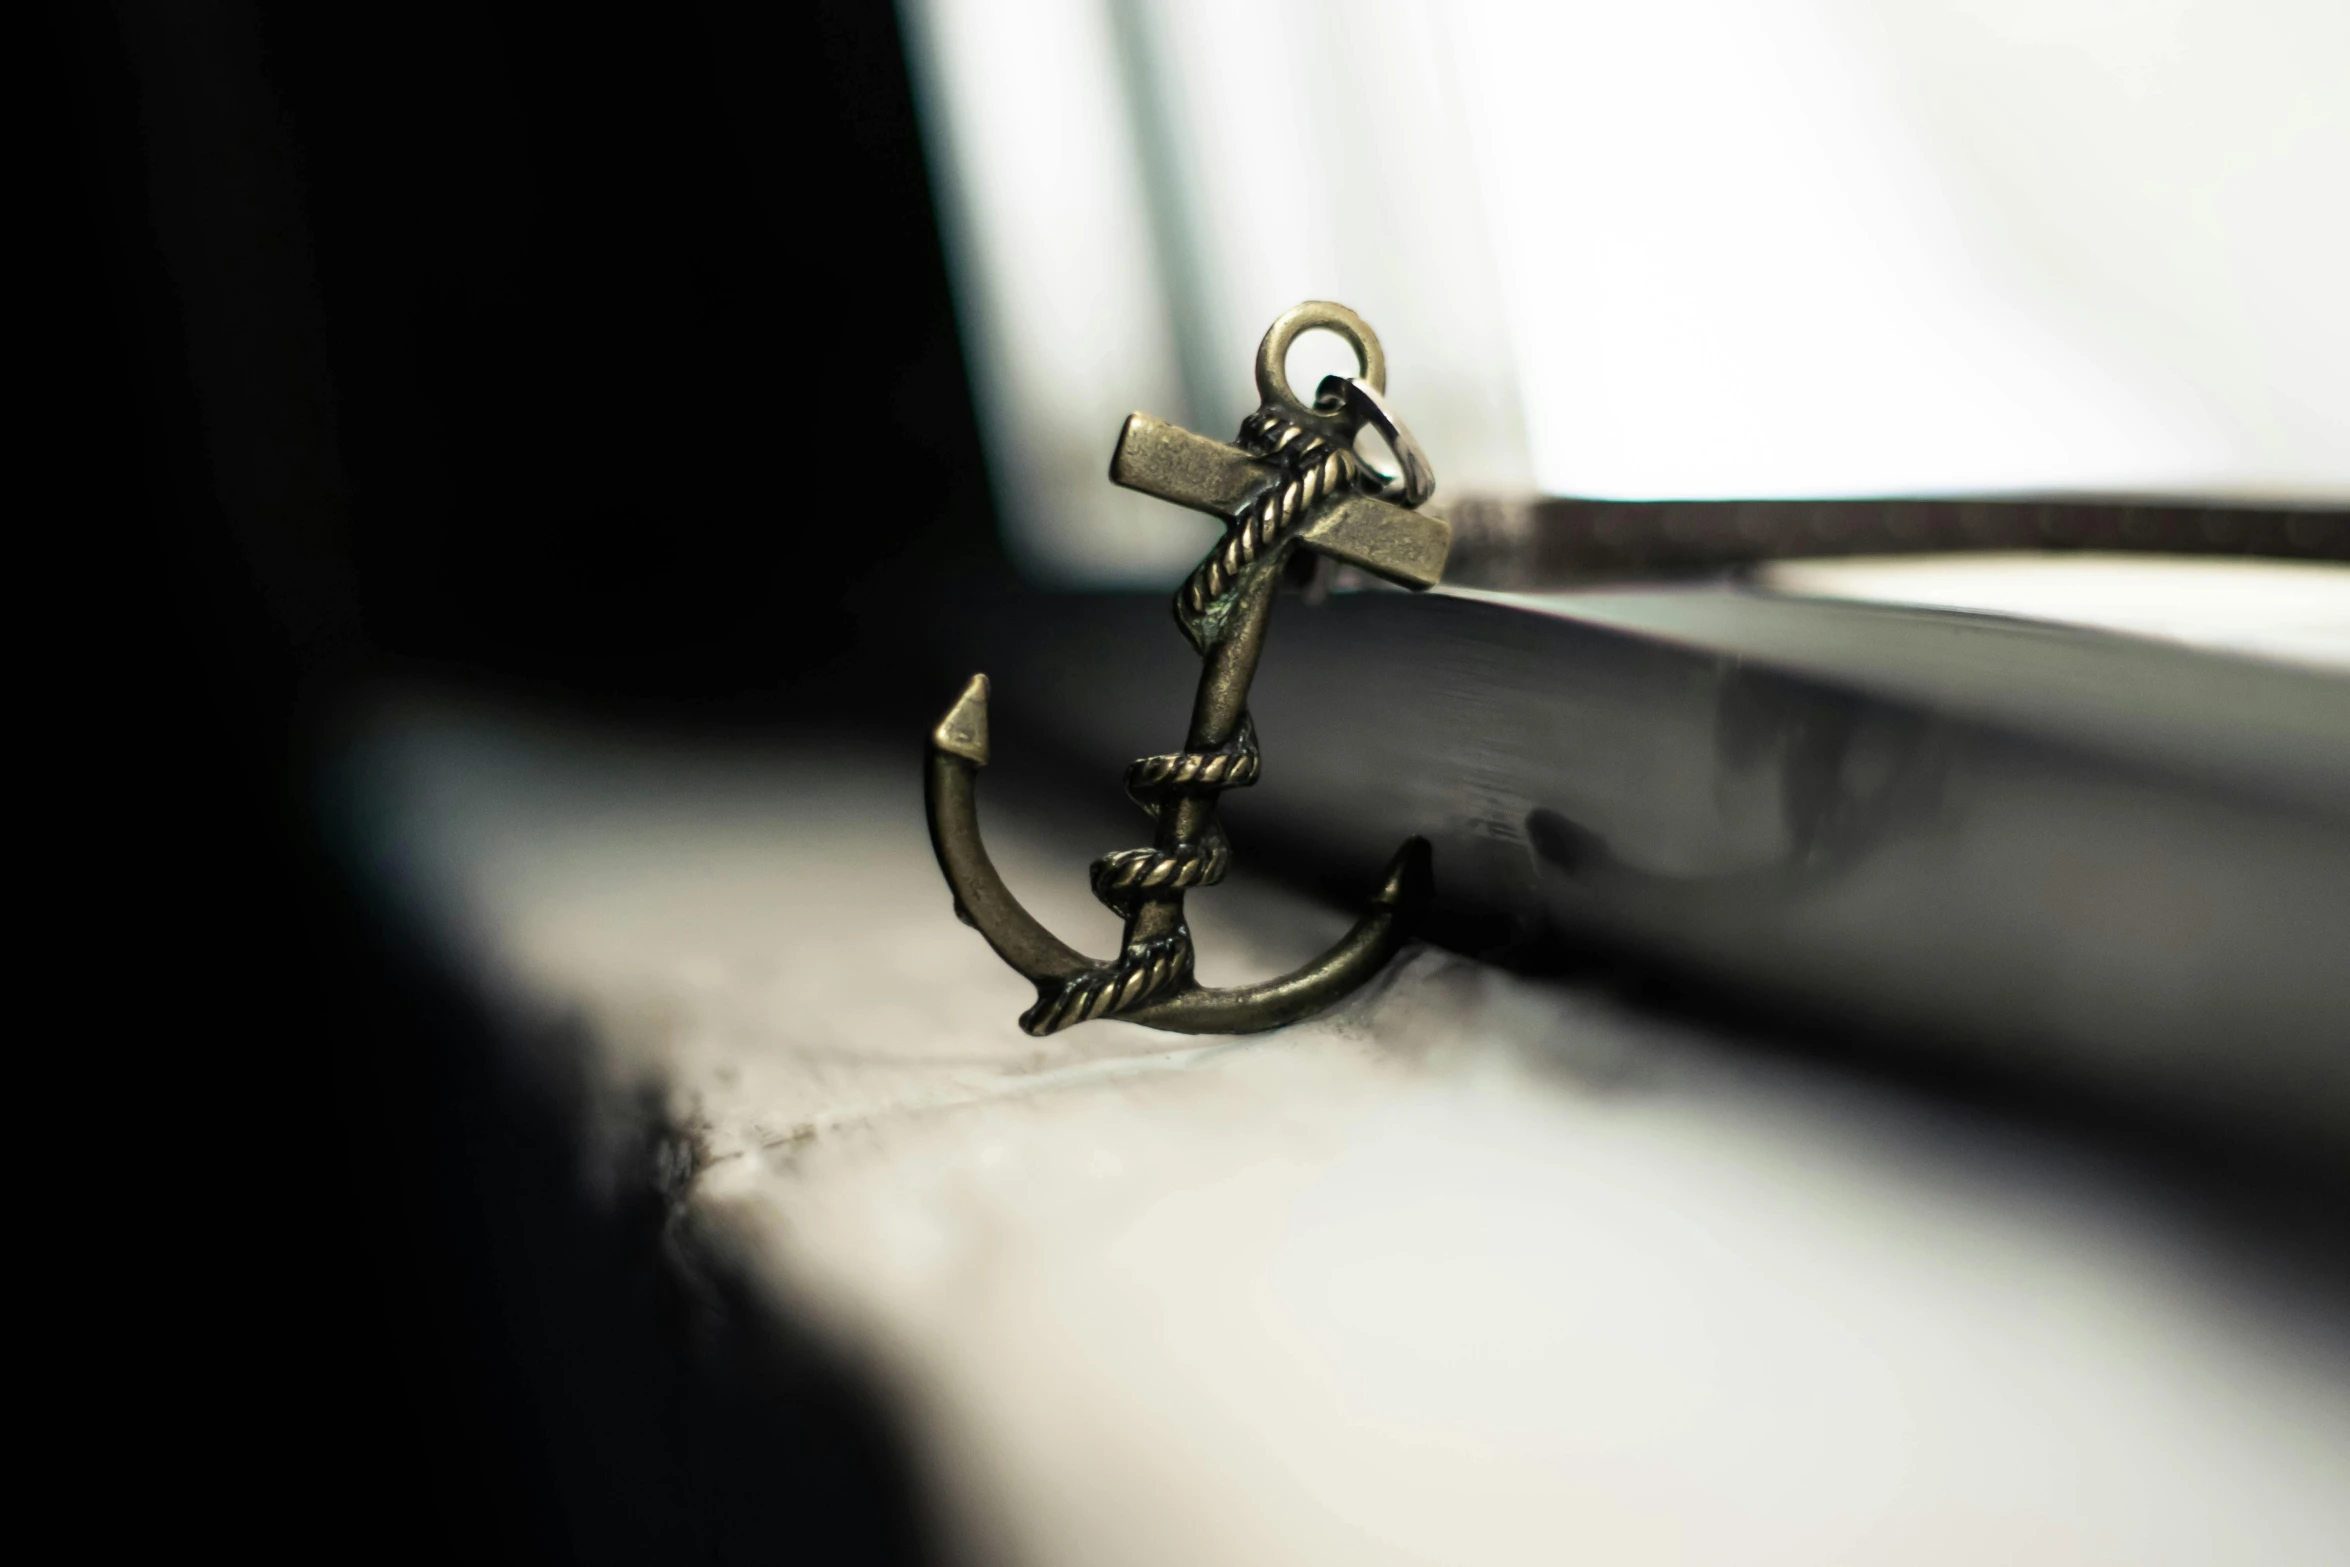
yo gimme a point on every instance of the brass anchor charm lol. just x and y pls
(1292, 482)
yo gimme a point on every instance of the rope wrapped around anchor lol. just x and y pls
(1125, 878)
(1317, 469)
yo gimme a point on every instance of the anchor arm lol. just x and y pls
(958, 750)
(1274, 1003)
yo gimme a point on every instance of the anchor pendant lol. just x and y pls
(1293, 482)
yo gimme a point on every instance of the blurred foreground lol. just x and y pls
(1477, 1268)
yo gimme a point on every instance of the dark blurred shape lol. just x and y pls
(602, 352)
(1556, 541)
(556, 342)
(2093, 868)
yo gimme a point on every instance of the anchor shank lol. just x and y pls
(1231, 661)
(1229, 666)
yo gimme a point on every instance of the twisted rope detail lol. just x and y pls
(1234, 768)
(1129, 876)
(1120, 878)
(1141, 972)
(1316, 469)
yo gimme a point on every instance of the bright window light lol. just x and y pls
(1684, 248)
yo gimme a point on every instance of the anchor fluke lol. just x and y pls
(963, 732)
(950, 798)
(1410, 876)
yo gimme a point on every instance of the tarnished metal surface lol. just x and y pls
(1292, 482)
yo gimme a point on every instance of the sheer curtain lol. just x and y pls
(1683, 248)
